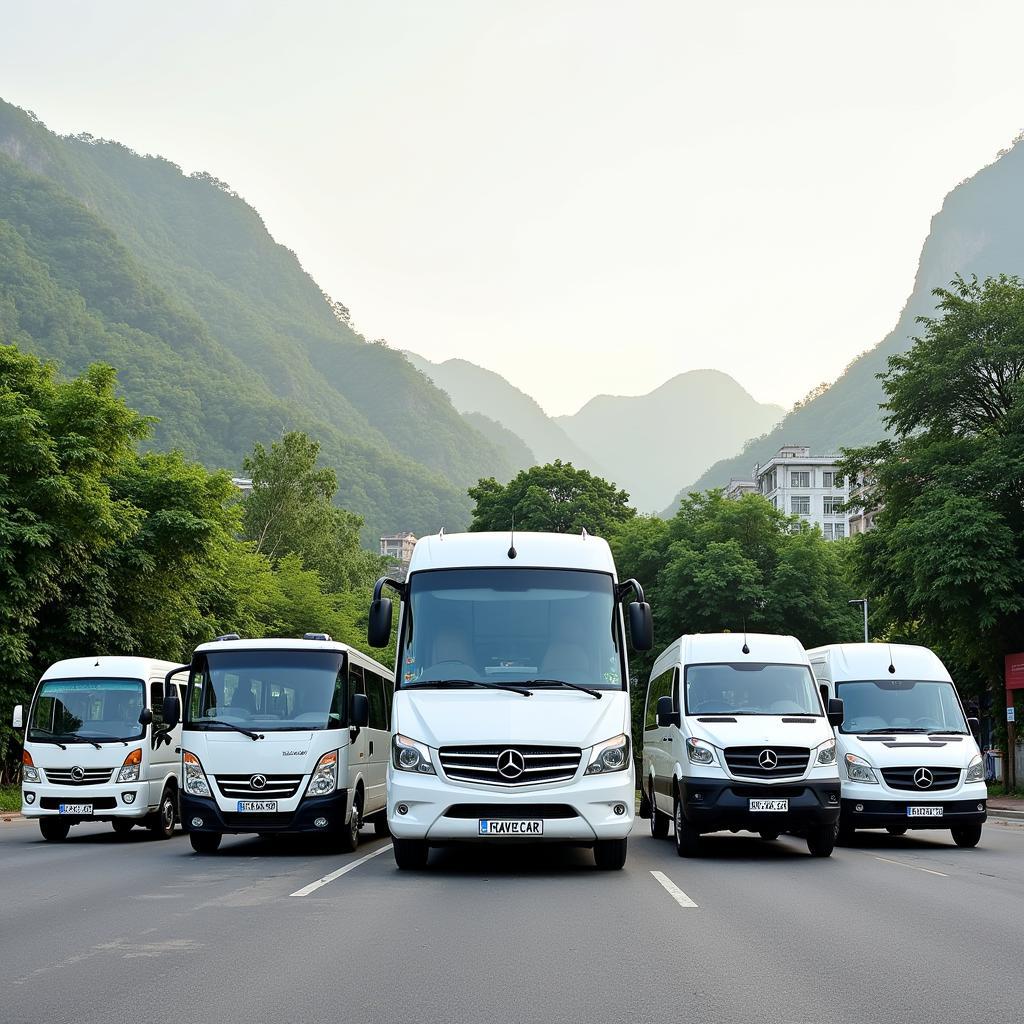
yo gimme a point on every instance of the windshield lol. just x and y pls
(751, 689)
(902, 705)
(87, 710)
(496, 626)
(271, 690)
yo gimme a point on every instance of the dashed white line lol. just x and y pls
(673, 890)
(904, 864)
(313, 886)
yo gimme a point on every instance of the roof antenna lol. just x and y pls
(892, 667)
(512, 547)
(585, 534)
(745, 648)
(440, 533)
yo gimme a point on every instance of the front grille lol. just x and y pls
(757, 762)
(903, 778)
(277, 787)
(99, 803)
(511, 811)
(537, 764)
(90, 776)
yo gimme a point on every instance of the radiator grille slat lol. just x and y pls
(767, 762)
(278, 787)
(90, 776)
(906, 778)
(531, 765)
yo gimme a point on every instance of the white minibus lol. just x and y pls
(736, 736)
(907, 756)
(283, 736)
(97, 747)
(511, 714)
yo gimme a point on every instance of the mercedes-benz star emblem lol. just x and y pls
(511, 764)
(258, 781)
(77, 773)
(923, 778)
(768, 760)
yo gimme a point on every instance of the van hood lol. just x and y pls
(286, 753)
(440, 718)
(908, 749)
(110, 754)
(761, 730)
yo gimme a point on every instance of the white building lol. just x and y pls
(244, 484)
(398, 545)
(737, 488)
(808, 486)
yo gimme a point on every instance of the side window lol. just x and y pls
(337, 712)
(356, 682)
(659, 687)
(676, 706)
(388, 683)
(156, 700)
(375, 694)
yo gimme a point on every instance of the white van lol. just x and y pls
(97, 747)
(283, 736)
(511, 712)
(908, 759)
(736, 737)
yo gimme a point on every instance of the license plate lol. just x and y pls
(75, 809)
(924, 812)
(511, 827)
(257, 806)
(770, 805)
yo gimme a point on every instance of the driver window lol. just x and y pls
(156, 700)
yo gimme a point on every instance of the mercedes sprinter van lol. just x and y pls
(97, 747)
(511, 714)
(736, 736)
(907, 755)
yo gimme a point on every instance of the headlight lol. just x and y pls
(610, 756)
(29, 772)
(859, 770)
(975, 770)
(411, 756)
(325, 775)
(130, 769)
(826, 753)
(700, 751)
(195, 777)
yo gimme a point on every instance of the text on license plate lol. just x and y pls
(511, 827)
(770, 805)
(924, 812)
(75, 809)
(257, 806)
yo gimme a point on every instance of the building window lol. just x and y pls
(826, 531)
(800, 478)
(826, 478)
(800, 504)
(832, 505)
(840, 530)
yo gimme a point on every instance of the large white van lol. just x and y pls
(511, 714)
(97, 747)
(283, 736)
(907, 756)
(736, 737)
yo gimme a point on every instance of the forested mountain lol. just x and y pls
(979, 230)
(517, 454)
(214, 328)
(651, 442)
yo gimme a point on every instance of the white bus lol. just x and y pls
(511, 716)
(97, 747)
(283, 736)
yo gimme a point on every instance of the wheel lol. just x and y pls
(844, 832)
(610, 854)
(687, 839)
(122, 826)
(348, 839)
(768, 835)
(410, 854)
(204, 842)
(821, 840)
(896, 830)
(967, 835)
(380, 825)
(659, 820)
(54, 830)
(161, 824)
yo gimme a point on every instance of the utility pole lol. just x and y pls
(863, 602)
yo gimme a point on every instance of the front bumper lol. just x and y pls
(581, 811)
(710, 804)
(893, 813)
(210, 818)
(107, 801)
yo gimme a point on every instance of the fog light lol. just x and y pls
(619, 808)
(197, 822)
(30, 798)
(402, 809)
(858, 807)
(128, 798)
(833, 798)
(981, 807)
(320, 822)
(697, 797)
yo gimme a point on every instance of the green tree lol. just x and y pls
(555, 498)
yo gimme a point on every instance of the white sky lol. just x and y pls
(586, 197)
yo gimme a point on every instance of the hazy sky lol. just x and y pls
(586, 197)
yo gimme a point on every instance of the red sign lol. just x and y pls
(1015, 671)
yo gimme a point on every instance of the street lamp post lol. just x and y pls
(863, 602)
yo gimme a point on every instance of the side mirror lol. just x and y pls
(172, 711)
(641, 626)
(666, 716)
(974, 724)
(145, 717)
(378, 631)
(835, 712)
(360, 711)
(17, 718)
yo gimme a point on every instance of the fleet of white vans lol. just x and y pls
(98, 748)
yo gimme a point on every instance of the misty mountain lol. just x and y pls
(516, 453)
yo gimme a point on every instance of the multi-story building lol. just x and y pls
(808, 486)
(737, 488)
(244, 484)
(398, 545)
(861, 520)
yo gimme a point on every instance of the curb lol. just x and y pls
(998, 812)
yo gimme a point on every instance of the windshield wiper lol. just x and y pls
(39, 739)
(231, 725)
(443, 684)
(946, 732)
(902, 729)
(565, 682)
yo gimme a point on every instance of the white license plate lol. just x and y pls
(511, 827)
(75, 809)
(769, 805)
(924, 812)
(257, 806)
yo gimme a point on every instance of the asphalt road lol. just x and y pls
(108, 929)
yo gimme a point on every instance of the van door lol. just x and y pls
(357, 751)
(378, 745)
(658, 741)
(158, 757)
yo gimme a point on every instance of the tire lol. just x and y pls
(967, 835)
(204, 842)
(844, 833)
(687, 840)
(122, 826)
(768, 835)
(821, 840)
(659, 820)
(161, 825)
(610, 854)
(54, 830)
(896, 830)
(380, 825)
(348, 838)
(410, 854)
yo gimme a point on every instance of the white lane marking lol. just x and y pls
(673, 890)
(903, 864)
(313, 886)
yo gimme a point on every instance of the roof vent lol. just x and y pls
(227, 636)
(316, 636)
